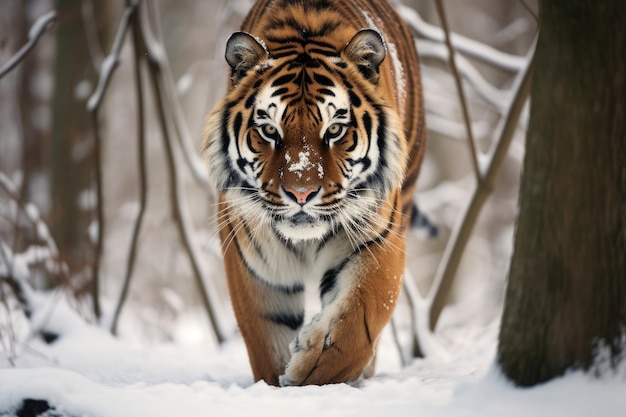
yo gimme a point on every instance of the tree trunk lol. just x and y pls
(566, 295)
(72, 145)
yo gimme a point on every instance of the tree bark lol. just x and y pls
(566, 295)
(72, 145)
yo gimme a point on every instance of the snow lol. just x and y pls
(88, 372)
(302, 164)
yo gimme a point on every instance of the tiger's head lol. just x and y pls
(306, 141)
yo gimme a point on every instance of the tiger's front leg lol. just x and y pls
(358, 299)
(268, 314)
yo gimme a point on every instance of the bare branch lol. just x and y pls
(109, 64)
(111, 61)
(462, 231)
(404, 360)
(464, 45)
(190, 153)
(45, 246)
(143, 181)
(94, 47)
(32, 215)
(413, 297)
(37, 29)
(155, 59)
(500, 98)
(459, 87)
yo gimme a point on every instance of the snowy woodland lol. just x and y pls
(113, 299)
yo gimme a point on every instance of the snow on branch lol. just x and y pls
(111, 61)
(16, 266)
(38, 28)
(499, 98)
(463, 44)
(108, 66)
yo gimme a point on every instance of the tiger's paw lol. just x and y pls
(320, 355)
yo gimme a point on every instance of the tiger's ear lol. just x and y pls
(367, 50)
(244, 52)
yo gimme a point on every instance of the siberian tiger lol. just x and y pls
(315, 151)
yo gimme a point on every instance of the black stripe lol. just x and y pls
(280, 91)
(355, 142)
(324, 52)
(324, 80)
(285, 39)
(236, 128)
(354, 98)
(283, 79)
(250, 100)
(292, 320)
(366, 327)
(367, 124)
(330, 278)
(326, 91)
(382, 127)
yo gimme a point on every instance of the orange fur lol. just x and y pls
(315, 151)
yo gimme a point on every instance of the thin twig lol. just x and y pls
(461, 233)
(20, 287)
(109, 64)
(143, 178)
(16, 286)
(529, 10)
(94, 46)
(30, 212)
(174, 108)
(38, 28)
(180, 218)
(396, 339)
(95, 281)
(412, 294)
(459, 86)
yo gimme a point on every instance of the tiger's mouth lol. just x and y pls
(302, 218)
(302, 226)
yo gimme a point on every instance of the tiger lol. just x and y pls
(314, 152)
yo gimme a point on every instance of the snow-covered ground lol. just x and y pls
(87, 372)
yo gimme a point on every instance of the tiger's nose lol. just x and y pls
(301, 195)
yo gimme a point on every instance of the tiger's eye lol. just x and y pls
(269, 130)
(334, 129)
(334, 132)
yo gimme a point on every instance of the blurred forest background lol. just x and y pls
(49, 147)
